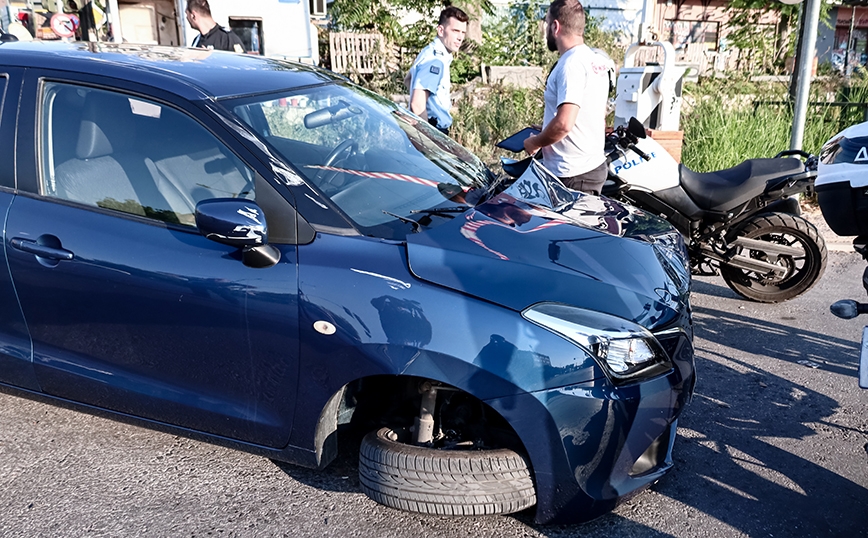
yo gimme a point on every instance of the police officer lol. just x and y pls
(211, 35)
(430, 95)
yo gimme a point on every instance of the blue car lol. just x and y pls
(262, 255)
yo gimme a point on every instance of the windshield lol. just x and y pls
(380, 164)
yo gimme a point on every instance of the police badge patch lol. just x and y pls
(434, 69)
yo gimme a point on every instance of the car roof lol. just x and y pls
(191, 73)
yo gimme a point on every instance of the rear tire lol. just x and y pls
(802, 272)
(443, 482)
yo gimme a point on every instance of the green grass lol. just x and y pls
(718, 136)
(724, 127)
(495, 113)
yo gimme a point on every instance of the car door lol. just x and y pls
(16, 366)
(129, 308)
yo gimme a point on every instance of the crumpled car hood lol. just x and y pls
(592, 253)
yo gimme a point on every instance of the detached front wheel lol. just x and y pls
(456, 482)
(796, 274)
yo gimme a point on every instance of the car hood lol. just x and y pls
(591, 252)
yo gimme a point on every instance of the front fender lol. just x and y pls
(384, 321)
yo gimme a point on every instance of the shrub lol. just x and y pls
(493, 113)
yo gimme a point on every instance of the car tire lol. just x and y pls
(443, 482)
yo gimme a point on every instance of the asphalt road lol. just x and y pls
(775, 443)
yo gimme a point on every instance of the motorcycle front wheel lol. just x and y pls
(800, 272)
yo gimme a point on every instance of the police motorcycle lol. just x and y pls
(842, 192)
(740, 222)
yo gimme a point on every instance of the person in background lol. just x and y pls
(574, 121)
(430, 92)
(211, 35)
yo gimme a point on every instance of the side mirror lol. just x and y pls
(514, 168)
(848, 309)
(339, 112)
(238, 223)
(636, 128)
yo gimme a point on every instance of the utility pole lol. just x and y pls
(810, 21)
(114, 20)
(849, 44)
(794, 79)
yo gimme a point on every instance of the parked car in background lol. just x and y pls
(252, 253)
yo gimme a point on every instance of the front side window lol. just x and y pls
(116, 151)
(377, 162)
(6, 180)
(2, 90)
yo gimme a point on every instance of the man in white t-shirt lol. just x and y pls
(574, 122)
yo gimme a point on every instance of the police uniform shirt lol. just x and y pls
(219, 38)
(431, 72)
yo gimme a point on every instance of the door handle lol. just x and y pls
(43, 251)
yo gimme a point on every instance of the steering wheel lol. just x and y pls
(324, 178)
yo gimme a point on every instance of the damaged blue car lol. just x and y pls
(262, 255)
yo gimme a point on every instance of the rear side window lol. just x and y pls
(115, 151)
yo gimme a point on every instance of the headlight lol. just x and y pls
(625, 350)
(670, 250)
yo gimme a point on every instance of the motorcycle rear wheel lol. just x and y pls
(802, 272)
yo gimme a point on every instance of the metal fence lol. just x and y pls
(844, 114)
(703, 60)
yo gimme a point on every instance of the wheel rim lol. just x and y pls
(448, 443)
(793, 265)
(800, 272)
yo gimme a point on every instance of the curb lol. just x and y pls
(839, 246)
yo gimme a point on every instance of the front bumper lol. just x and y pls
(592, 445)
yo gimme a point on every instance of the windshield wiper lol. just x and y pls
(442, 211)
(416, 226)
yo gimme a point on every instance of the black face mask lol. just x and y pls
(550, 40)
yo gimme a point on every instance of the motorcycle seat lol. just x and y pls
(725, 189)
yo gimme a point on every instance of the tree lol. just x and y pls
(376, 15)
(383, 16)
(747, 33)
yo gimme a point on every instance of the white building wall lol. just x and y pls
(623, 17)
(286, 26)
